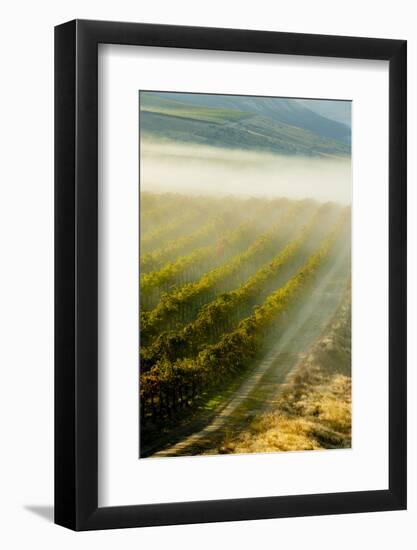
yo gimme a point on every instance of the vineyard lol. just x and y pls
(221, 280)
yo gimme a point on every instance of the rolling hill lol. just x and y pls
(266, 124)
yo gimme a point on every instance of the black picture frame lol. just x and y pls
(76, 272)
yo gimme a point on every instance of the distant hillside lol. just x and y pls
(340, 111)
(318, 116)
(240, 122)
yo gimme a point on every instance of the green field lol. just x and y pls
(155, 104)
(234, 293)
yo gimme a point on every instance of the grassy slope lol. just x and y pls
(311, 115)
(314, 409)
(172, 120)
(154, 104)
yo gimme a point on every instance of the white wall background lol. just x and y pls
(26, 271)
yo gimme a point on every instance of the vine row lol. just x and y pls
(181, 305)
(169, 386)
(219, 315)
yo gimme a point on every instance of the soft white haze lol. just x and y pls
(199, 169)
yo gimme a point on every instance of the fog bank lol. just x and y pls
(195, 169)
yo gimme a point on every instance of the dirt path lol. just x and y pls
(261, 388)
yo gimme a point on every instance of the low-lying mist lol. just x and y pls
(199, 169)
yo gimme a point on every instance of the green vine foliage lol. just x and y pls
(219, 315)
(172, 384)
(179, 305)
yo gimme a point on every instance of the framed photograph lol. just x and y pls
(230, 252)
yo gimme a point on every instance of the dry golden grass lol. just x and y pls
(314, 408)
(317, 419)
